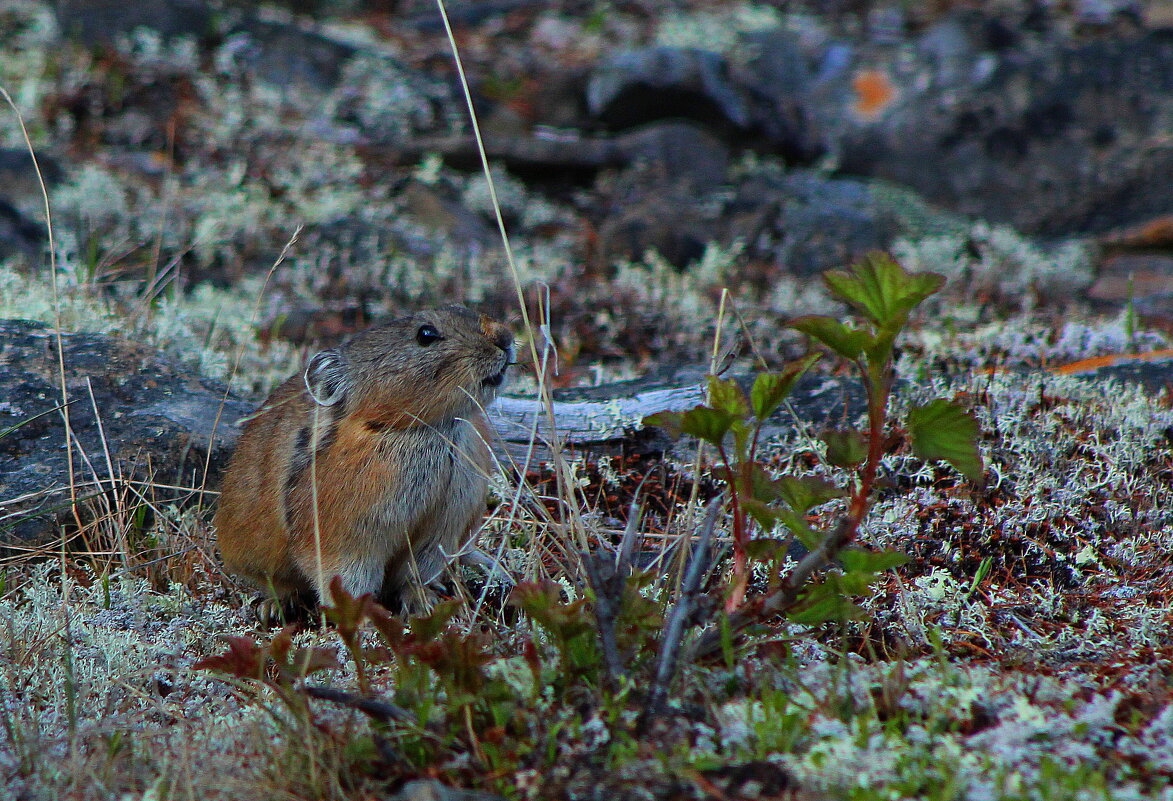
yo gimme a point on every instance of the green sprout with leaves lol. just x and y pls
(882, 295)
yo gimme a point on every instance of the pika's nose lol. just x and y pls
(497, 333)
(504, 339)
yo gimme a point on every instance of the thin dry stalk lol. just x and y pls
(562, 470)
(382, 711)
(57, 326)
(120, 530)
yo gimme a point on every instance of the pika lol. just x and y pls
(372, 465)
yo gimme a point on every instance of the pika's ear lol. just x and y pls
(325, 378)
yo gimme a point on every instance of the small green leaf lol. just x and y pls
(728, 396)
(767, 516)
(763, 549)
(756, 482)
(944, 430)
(707, 423)
(879, 353)
(803, 494)
(860, 561)
(741, 432)
(671, 422)
(824, 603)
(800, 494)
(845, 448)
(853, 582)
(770, 389)
(847, 342)
(880, 289)
(797, 525)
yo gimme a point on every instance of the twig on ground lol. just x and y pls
(608, 579)
(666, 659)
(379, 710)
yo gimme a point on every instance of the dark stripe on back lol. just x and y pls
(300, 462)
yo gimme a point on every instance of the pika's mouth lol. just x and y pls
(496, 379)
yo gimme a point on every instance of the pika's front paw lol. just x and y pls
(269, 612)
(274, 612)
(418, 601)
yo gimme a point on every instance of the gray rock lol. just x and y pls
(668, 218)
(640, 86)
(802, 220)
(20, 237)
(677, 150)
(781, 75)
(424, 16)
(103, 21)
(1063, 139)
(19, 179)
(674, 148)
(1011, 124)
(157, 421)
(808, 222)
(282, 54)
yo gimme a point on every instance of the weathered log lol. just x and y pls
(586, 424)
(609, 418)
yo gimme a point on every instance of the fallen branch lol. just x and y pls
(379, 710)
(608, 579)
(667, 657)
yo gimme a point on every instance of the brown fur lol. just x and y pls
(392, 427)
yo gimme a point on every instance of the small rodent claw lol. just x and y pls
(270, 612)
(419, 601)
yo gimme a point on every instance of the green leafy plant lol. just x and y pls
(731, 412)
(882, 295)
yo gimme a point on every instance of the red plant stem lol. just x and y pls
(790, 589)
(740, 560)
(786, 595)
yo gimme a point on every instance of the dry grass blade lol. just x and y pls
(563, 471)
(57, 327)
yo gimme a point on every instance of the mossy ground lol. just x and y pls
(1044, 675)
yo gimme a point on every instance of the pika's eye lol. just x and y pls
(426, 335)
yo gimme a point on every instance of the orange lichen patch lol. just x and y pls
(1099, 362)
(874, 92)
